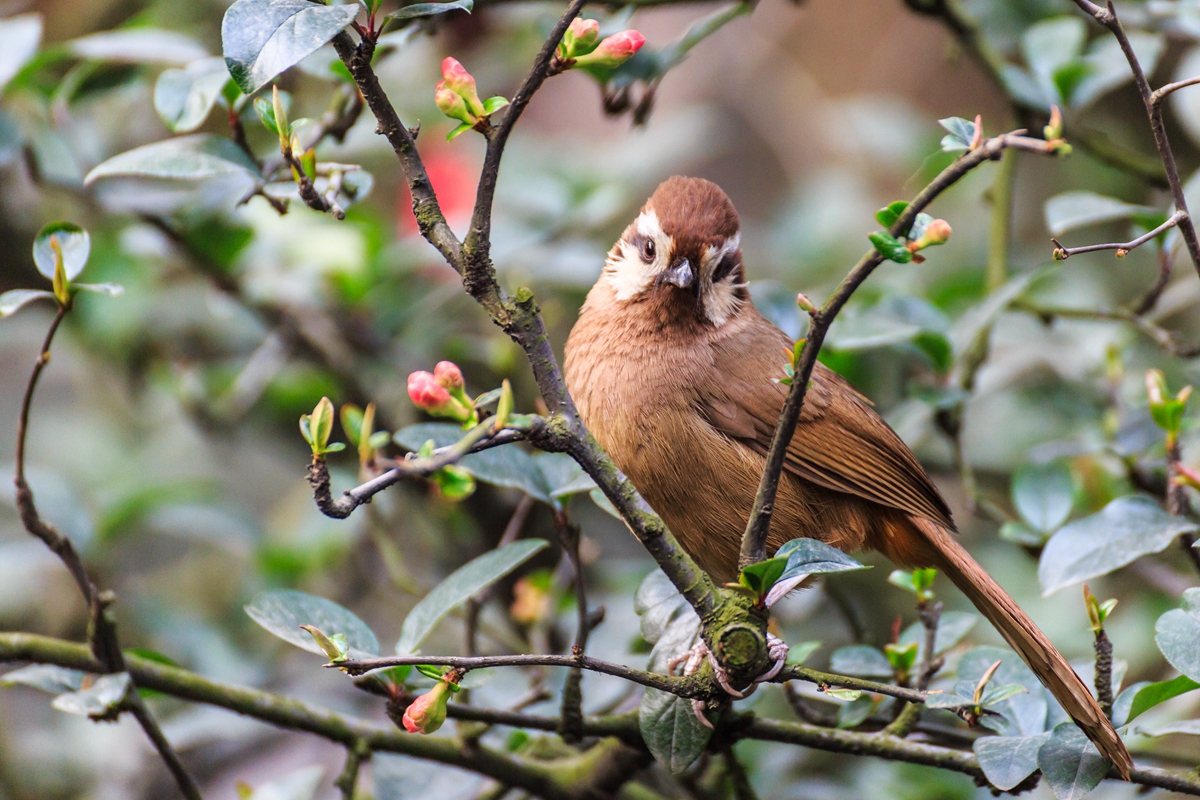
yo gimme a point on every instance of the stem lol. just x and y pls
(1002, 210)
(137, 707)
(1063, 253)
(754, 540)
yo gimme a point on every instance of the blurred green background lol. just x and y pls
(164, 438)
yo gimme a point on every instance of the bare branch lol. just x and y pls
(754, 540)
(1062, 253)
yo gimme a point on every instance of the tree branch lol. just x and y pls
(1062, 253)
(754, 540)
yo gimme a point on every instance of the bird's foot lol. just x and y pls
(693, 659)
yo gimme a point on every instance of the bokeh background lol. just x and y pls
(164, 438)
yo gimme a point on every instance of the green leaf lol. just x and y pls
(73, 242)
(670, 730)
(262, 38)
(1070, 210)
(807, 557)
(1008, 760)
(352, 420)
(852, 714)
(494, 104)
(196, 157)
(760, 577)
(418, 10)
(849, 695)
(888, 215)
(110, 289)
(1044, 495)
(139, 46)
(563, 475)
(454, 482)
(100, 699)
(506, 465)
(334, 647)
(953, 626)
(1019, 715)
(1189, 727)
(605, 505)
(47, 677)
(1151, 695)
(799, 653)
(184, 97)
(12, 301)
(860, 660)
(1053, 43)
(283, 611)
(901, 656)
(19, 40)
(1017, 533)
(891, 248)
(462, 584)
(962, 133)
(1125, 530)
(1070, 763)
(322, 423)
(265, 109)
(459, 131)
(1177, 634)
(1107, 67)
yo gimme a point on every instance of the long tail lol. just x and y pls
(1029, 642)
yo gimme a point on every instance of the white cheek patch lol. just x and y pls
(721, 299)
(625, 270)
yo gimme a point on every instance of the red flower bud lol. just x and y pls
(449, 375)
(579, 39)
(458, 80)
(614, 51)
(451, 104)
(427, 713)
(426, 393)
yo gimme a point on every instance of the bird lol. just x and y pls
(677, 376)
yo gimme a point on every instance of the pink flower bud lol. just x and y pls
(427, 394)
(449, 375)
(458, 80)
(614, 51)
(427, 713)
(451, 104)
(580, 38)
(936, 232)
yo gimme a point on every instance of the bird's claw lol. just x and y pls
(691, 660)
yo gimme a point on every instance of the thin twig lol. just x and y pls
(348, 779)
(754, 540)
(1161, 336)
(1154, 293)
(187, 785)
(481, 437)
(571, 708)
(1062, 253)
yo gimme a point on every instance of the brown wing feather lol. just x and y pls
(840, 443)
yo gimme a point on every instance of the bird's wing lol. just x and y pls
(840, 443)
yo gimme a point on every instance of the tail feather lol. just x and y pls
(1030, 643)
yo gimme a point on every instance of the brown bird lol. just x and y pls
(673, 370)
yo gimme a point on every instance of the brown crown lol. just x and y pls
(694, 212)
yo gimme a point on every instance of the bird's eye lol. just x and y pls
(647, 250)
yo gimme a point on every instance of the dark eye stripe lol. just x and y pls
(728, 264)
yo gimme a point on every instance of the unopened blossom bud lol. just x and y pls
(804, 303)
(579, 39)
(614, 51)
(1167, 411)
(427, 713)
(458, 80)
(427, 394)
(1156, 387)
(936, 232)
(1054, 128)
(451, 104)
(449, 375)
(531, 602)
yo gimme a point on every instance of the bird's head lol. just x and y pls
(682, 253)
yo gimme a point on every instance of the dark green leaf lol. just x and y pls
(891, 248)
(1008, 760)
(860, 660)
(670, 730)
(1052, 43)
(47, 677)
(888, 215)
(73, 242)
(494, 104)
(1044, 495)
(262, 38)
(1178, 635)
(855, 713)
(12, 301)
(100, 699)
(418, 10)
(760, 577)
(139, 46)
(461, 585)
(1071, 210)
(19, 39)
(184, 97)
(1020, 715)
(962, 133)
(196, 157)
(952, 628)
(1070, 763)
(562, 475)
(283, 611)
(507, 465)
(807, 557)
(1151, 695)
(1125, 530)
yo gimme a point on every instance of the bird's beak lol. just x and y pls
(680, 274)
